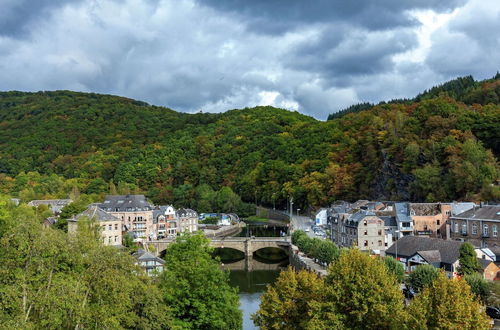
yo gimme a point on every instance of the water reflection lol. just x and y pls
(252, 283)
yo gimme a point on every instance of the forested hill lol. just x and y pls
(433, 149)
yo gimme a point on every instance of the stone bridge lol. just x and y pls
(250, 264)
(244, 244)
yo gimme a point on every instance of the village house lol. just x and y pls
(55, 205)
(413, 251)
(362, 229)
(151, 264)
(489, 269)
(111, 226)
(135, 212)
(430, 219)
(479, 226)
(165, 219)
(187, 220)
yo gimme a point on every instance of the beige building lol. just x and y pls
(430, 219)
(135, 212)
(187, 220)
(111, 226)
(362, 229)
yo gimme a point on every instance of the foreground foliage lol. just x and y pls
(196, 289)
(360, 293)
(51, 281)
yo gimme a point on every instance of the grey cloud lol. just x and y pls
(282, 15)
(16, 15)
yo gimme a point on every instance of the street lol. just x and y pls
(302, 223)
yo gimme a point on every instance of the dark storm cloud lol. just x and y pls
(17, 15)
(282, 15)
(313, 56)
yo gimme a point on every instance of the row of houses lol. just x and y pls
(413, 251)
(375, 226)
(133, 215)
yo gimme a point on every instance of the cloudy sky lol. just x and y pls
(314, 56)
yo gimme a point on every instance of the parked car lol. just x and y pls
(307, 230)
(409, 293)
(493, 312)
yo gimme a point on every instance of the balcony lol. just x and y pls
(485, 235)
(464, 233)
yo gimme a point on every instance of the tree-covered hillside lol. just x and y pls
(430, 149)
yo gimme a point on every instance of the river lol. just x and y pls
(251, 285)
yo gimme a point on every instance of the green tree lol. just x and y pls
(479, 286)
(296, 235)
(447, 304)
(286, 304)
(196, 288)
(395, 268)
(421, 277)
(361, 293)
(468, 260)
(50, 280)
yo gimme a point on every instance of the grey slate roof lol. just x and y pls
(488, 212)
(431, 256)
(402, 212)
(389, 221)
(142, 255)
(96, 213)
(125, 203)
(186, 212)
(457, 208)
(409, 245)
(484, 263)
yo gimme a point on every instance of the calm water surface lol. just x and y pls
(251, 286)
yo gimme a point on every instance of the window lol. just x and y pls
(365, 223)
(110, 227)
(495, 232)
(366, 243)
(116, 238)
(380, 232)
(116, 226)
(366, 232)
(437, 222)
(464, 228)
(485, 230)
(379, 243)
(474, 229)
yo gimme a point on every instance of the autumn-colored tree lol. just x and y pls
(286, 304)
(447, 304)
(361, 293)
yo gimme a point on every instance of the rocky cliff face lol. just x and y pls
(391, 183)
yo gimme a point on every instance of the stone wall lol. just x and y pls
(299, 260)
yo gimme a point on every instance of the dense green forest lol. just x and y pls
(442, 145)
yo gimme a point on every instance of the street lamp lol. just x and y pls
(298, 210)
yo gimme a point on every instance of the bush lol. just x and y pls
(422, 277)
(478, 285)
(323, 250)
(395, 268)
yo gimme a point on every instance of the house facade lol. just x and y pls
(187, 221)
(362, 229)
(135, 212)
(111, 226)
(479, 226)
(165, 220)
(430, 219)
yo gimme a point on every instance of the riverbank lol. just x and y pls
(299, 260)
